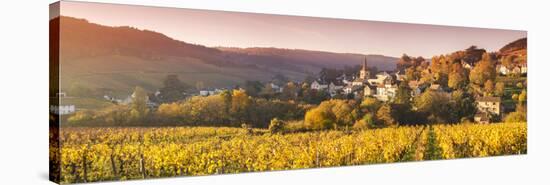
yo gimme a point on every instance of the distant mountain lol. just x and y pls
(119, 58)
(276, 56)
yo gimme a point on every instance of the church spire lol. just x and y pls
(364, 73)
(365, 64)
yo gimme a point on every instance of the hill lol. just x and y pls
(116, 59)
(515, 48)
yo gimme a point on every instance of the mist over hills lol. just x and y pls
(119, 58)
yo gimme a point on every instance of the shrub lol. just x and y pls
(366, 122)
(276, 126)
(295, 126)
(81, 117)
(515, 117)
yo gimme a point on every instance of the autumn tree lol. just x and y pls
(366, 122)
(499, 89)
(457, 77)
(330, 114)
(436, 105)
(226, 97)
(489, 87)
(515, 117)
(240, 104)
(290, 91)
(139, 108)
(507, 61)
(81, 117)
(403, 94)
(412, 74)
(370, 104)
(483, 71)
(384, 116)
(169, 111)
(522, 98)
(318, 118)
(521, 105)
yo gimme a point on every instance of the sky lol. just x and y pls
(233, 29)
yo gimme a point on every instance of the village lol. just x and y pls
(383, 86)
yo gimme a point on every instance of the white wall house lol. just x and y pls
(209, 92)
(502, 70)
(369, 90)
(318, 86)
(385, 92)
(276, 88)
(62, 109)
(333, 89)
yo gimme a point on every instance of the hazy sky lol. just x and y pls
(218, 28)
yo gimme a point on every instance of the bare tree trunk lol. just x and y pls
(85, 166)
(142, 167)
(113, 166)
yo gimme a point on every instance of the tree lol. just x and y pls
(139, 109)
(507, 61)
(436, 105)
(204, 110)
(366, 122)
(516, 117)
(290, 91)
(519, 85)
(463, 106)
(116, 115)
(483, 71)
(169, 111)
(457, 77)
(318, 119)
(173, 89)
(499, 89)
(371, 104)
(412, 74)
(81, 117)
(330, 114)
(343, 113)
(253, 88)
(521, 105)
(403, 94)
(404, 63)
(240, 104)
(384, 116)
(522, 98)
(267, 92)
(489, 87)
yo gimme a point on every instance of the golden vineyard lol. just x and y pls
(102, 154)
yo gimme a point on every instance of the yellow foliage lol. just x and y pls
(122, 153)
